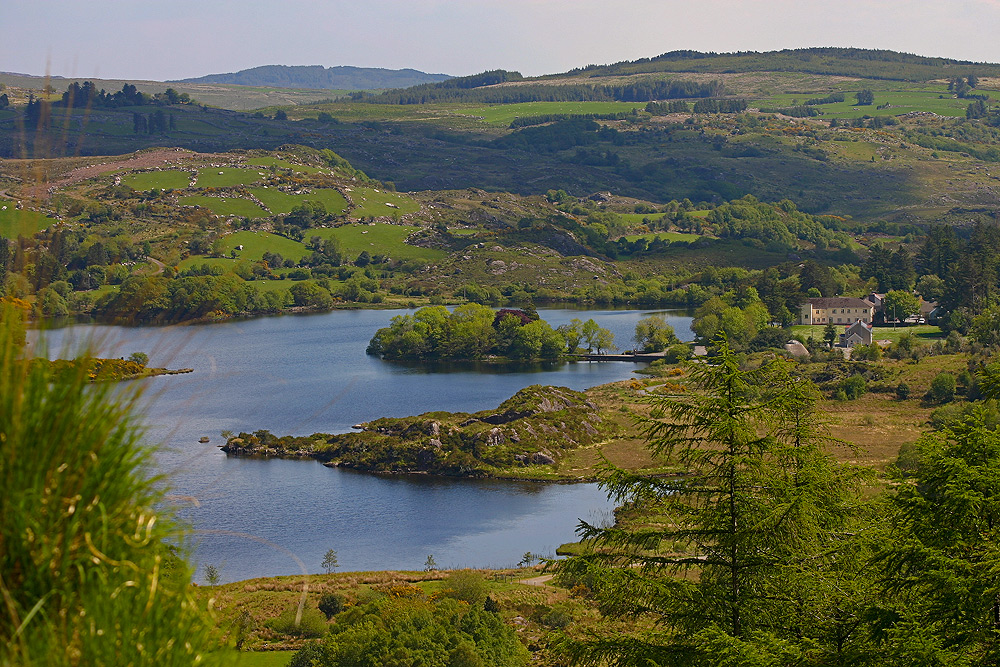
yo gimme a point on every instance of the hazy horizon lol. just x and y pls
(111, 39)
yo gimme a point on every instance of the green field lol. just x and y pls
(357, 111)
(172, 179)
(935, 99)
(197, 260)
(256, 243)
(504, 114)
(277, 201)
(282, 202)
(228, 205)
(331, 199)
(373, 202)
(278, 163)
(226, 177)
(666, 236)
(925, 333)
(24, 223)
(273, 285)
(639, 218)
(378, 239)
(259, 658)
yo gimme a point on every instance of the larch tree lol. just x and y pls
(942, 560)
(728, 559)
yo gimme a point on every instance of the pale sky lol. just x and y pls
(137, 39)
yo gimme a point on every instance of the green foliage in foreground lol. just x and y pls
(742, 558)
(405, 628)
(85, 575)
(941, 557)
(768, 552)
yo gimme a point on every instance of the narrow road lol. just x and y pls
(537, 581)
(159, 265)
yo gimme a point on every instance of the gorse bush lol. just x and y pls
(85, 573)
(312, 623)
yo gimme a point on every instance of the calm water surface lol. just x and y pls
(304, 374)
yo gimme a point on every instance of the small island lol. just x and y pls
(107, 370)
(521, 438)
(470, 332)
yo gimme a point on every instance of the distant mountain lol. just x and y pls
(319, 77)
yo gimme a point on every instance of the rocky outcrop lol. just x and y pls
(532, 428)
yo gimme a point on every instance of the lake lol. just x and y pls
(309, 373)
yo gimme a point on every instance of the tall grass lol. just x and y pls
(86, 576)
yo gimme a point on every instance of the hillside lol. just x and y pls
(224, 96)
(726, 130)
(587, 201)
(860, 63)
(340, 77)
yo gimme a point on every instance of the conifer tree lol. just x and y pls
(942, 562)
(729, 559)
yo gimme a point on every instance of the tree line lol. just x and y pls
(86, 95)
(854, 62)
(480, 89)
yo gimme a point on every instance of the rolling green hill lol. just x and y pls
(909, 156)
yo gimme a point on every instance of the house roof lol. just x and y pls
(858, 326)
(839, 302)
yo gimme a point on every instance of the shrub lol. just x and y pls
(140, 358)
(312, 623)
(967, 385)
(559, 616)
(332, 604)
(902, 391)
(467, 585)
(308, 656)
(866, 352)
(942, 389)
(854, 387)
(908, 459)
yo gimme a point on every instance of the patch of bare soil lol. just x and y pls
(143, 160)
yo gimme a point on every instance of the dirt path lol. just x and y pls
(537, 581)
